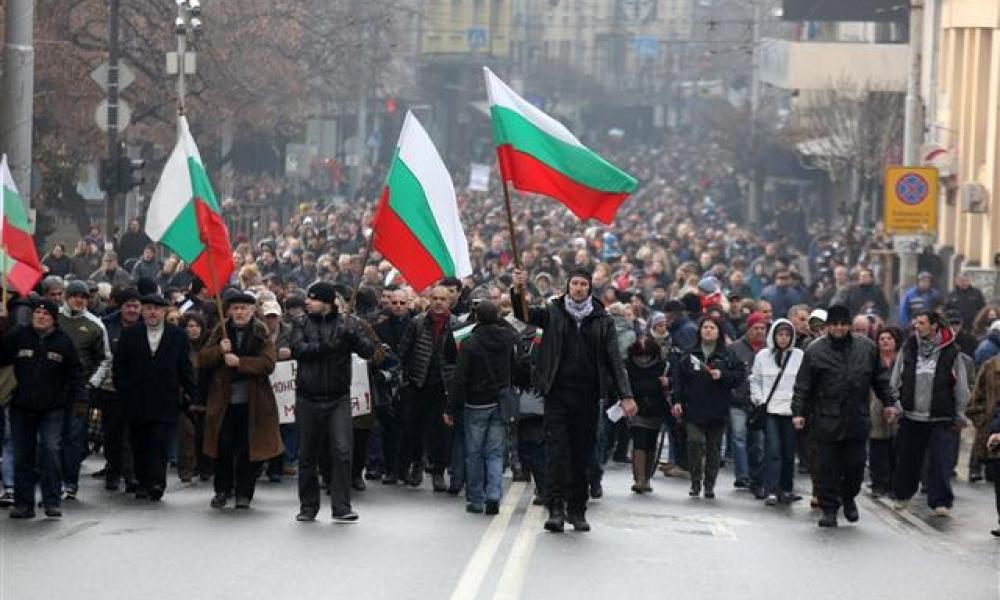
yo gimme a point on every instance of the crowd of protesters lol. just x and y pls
(713, 342)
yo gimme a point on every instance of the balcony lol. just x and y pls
(792, 65)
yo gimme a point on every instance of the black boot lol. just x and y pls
(578, 520)
(557, 519)
(829, 519)
(851, 510)
(695, 490)
(437, 482)
(416, 476)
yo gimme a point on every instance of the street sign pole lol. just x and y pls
(113, 147)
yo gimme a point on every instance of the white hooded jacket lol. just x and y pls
(765, 371)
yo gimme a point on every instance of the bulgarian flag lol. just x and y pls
(184, 214)
(538, 154)
(17, 248)
(416, 225)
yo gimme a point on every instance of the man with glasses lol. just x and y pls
(91, 342)
(49, 381)
(390, 329)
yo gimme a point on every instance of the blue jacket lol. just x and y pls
(988, 348)
(684, 333)
(915, 301)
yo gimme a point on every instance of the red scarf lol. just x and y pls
(437, 324)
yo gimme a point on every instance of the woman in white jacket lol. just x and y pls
(779, 359)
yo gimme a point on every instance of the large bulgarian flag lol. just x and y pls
(416, 225)
(538, 154)
(184, 214)
(17, 248)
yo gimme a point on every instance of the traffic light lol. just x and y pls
(130, 173)
(109, 175)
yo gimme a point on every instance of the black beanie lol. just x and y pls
(50, 307)
(585, 274)
(323, 291)
(838, 313)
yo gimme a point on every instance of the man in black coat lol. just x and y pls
(967, 299)
(390, 329)
(322, 344)
(155, 380)
(49, 381)
(578, 364)
(831, 392)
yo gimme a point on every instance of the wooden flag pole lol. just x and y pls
(3, 248)
(513, 247)
(218, 296)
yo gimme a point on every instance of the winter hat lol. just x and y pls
(585, 274)
(77, 288)
(691, 302)
(49, 306)
(235, 296)
(838, 314)
(323, 291)
(709, 285)
(294, 301)
(154, 299)
(755, 318)
(995, 325)
(656, 319)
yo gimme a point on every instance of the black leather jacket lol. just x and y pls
(554, 321)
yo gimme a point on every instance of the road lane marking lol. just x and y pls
(514, 572)
(475, 570)
(931, 534)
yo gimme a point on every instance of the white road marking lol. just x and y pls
(475, 570)
(514, 572)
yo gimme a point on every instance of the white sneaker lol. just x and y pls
(771, 500)
(942, 511)
(900, 504)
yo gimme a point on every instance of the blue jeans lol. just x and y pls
(779, 467)
(7, 472)
(747, 447)
(485, 434)
(36, 433)
(74, 448)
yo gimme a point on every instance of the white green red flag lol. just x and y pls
(416, 225)
(20, 265)
(184, 214)
(538, 154)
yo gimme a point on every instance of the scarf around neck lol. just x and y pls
(579, 310)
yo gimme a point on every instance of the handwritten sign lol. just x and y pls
(283, 383)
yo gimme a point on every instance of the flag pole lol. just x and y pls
(218, 296)
(513, 245)
(3, 248)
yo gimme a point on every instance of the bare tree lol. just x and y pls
(850, 132)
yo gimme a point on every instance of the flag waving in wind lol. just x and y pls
(538, 154)
(21, 266)
(416, 226)
(184, 214)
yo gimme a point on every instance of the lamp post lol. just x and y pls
(188, 22)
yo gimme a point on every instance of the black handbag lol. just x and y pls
(508, 398)
(759, 413)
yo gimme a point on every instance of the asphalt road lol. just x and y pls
(413, 543)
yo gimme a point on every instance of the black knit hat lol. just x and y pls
(234, 296)
(323, 291)
(49, 306)
(584, 273)
(838, 313)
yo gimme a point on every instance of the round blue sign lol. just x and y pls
(912, 189)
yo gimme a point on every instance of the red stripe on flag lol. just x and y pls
(528, 174)
(395, 241)
(215, 264)
(23, 278)
(19, 245)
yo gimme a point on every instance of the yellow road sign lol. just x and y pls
(911, 200)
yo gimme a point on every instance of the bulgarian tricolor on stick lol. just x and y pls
(538, 154)
(21, 268)
(416, 225)
(184, 214)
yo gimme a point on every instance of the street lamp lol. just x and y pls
(183, 63)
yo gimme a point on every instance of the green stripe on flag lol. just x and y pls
(201, 185)
(13, 210)
(408, 201)
(579, 164)
(182, 236)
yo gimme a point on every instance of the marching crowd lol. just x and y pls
(674, 340)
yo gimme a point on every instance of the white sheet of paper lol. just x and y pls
(615, 413)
